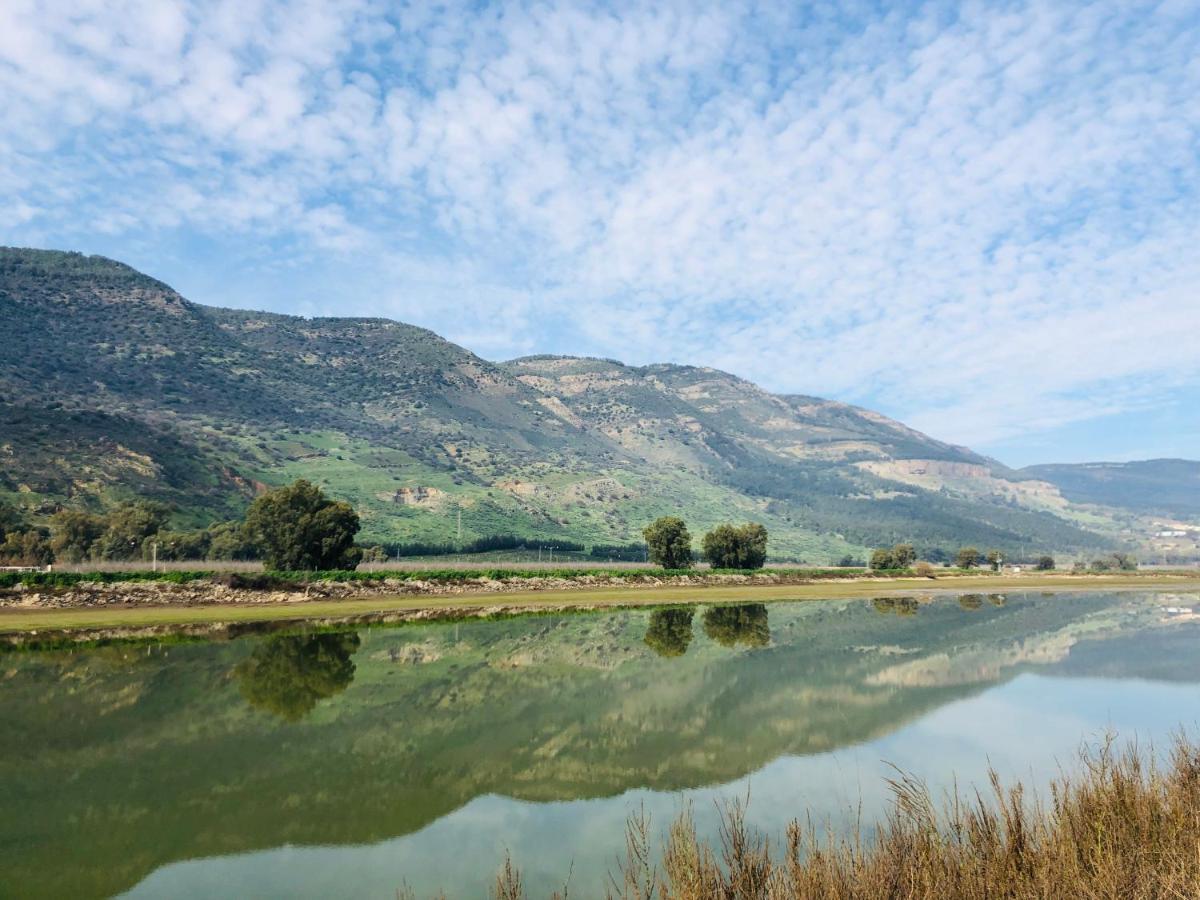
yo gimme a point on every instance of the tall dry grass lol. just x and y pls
(1121, 828)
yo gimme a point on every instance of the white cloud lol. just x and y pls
(979, 217)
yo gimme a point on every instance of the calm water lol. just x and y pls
(351, 763)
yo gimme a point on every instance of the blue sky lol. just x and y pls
(980, 218)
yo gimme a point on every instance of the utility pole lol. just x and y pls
(154, 557)
(460, 528)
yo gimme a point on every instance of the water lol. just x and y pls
(352, 763)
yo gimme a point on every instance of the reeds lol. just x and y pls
(1120, 827)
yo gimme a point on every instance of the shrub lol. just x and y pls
(882, 559)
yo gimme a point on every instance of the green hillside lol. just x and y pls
(112, 386)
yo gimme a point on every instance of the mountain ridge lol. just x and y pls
(128, 389)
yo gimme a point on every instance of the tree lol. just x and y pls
(287, 674)
(1045, 564)
(74, 532)
(745, 624)
(730, 547)
(967, 558)
(903, 556)
(26, 547)
(10, 519)
(669, 631)
(299, 528)
(228, 540)
(669, 543)
(127, 527)
(882, 559)
(995, 558)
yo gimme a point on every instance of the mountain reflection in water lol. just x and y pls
(127, 758)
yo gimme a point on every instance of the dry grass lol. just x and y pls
(1122, 827)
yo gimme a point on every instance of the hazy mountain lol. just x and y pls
(113, 385)
(1156, 486)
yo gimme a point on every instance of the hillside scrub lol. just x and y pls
(1122, 826)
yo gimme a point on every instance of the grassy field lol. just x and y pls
(17, 619)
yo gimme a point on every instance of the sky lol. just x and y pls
(979, 218)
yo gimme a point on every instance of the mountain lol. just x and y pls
(114, 386)
(1166, 487)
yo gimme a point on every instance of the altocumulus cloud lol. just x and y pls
(980, 217)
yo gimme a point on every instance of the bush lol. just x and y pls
(1045, 564)
(924, 570)
(882, 560)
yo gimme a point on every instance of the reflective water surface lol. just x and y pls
(354, 762)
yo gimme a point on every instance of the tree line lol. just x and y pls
(293, 528)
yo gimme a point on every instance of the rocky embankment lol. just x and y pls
(205, 592)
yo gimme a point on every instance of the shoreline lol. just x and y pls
(122, 610)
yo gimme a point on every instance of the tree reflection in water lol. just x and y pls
(288, 673)
(900, 606)
(743, 624)
(971, 602)
(669, 631)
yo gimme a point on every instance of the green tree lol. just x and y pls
(903, 556)
(128, 526)
(994, 559)
(1045, 564)
(732, 547)
(73, 534)
(288, 674)
(967, 558)
(184, 545)
(10, 519)
(669, 631)
(26, 547)
(299, 528)
(882, 559)
(744, 623)
(669, 543)
(228, 540)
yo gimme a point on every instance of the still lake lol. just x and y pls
(355, 762)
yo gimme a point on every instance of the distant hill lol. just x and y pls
(112, 385)
(1155, 486)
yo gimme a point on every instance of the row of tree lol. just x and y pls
(904, 556)
(669, 544)
(291, 528)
